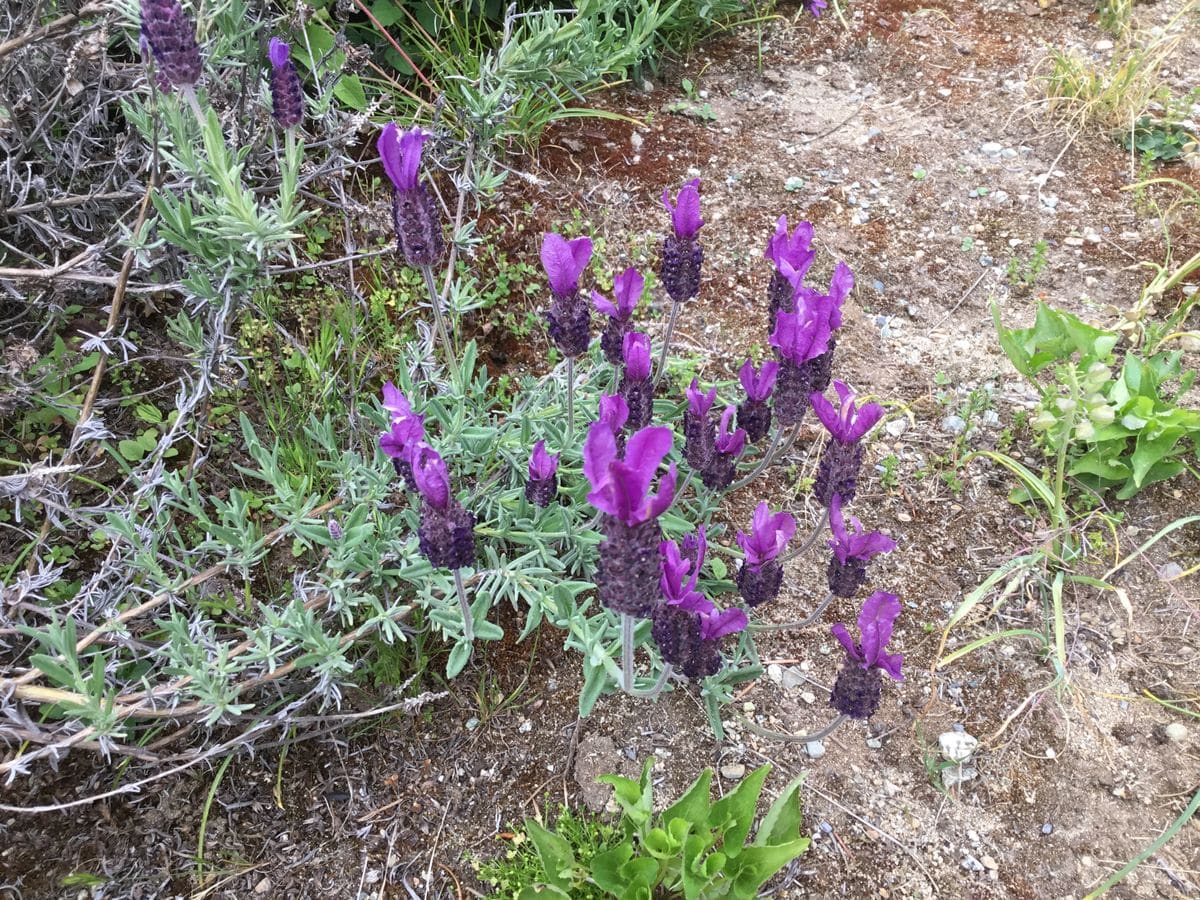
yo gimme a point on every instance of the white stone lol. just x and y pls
(814, 749)
(957, 746)
(733, 771)
(1176, 731)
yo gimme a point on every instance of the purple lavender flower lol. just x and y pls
(814, 7)
(682, 254)
(796, 251)
(414, 211)
(727, 447)
(172, 39)
(543, 476)
(627, 289)
(695, 546)
(690, 639)
(761, 573)
(407, 431)
(857, 691)
(799, 337)
(446, 535)
(699, 431)
(628, 572)
(614, 412)
(842, 459)
(754, 413)
(287, 96)
(569, 317)
(680, 572)
(852, 550)
(636, 386)
(820, 368)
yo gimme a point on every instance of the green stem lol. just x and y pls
(794, 738)
(627, 624)
(439, 320)
(802, 623)
(652, 692)
(767, 459)
(570, 400)
(666, 347)
(817, 531)
(467, 617)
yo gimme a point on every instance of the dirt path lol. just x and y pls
(914, 146)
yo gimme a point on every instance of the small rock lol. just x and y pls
(1170, 571)
(1103, 45)
(988, 863)
(472, 723)
(525, 727)
(971, 864)
(986, 261)
(263, 887)
(1008, 153)
(954, 425)
(874, 743)
(814, 749)
(1047, 828)
(808, 697)
(792, 678)
(733, 771)
(775, 672)
(878, 285)
(957, 746)
(1176, 732)
(991, 148)
(896, 427)
(956, 776)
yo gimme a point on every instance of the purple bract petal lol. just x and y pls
(542, 465)
(699, 402)
(802, 334)
(278, 52)
(564, 261)
(769, 535)
(636, 353)
(849, 423)
(685, 214)
(620, 486)
(627, 288)
(795, 249)
(758, 384)
(431, 477)
(401, 155)
(730, 621)
(614, 412)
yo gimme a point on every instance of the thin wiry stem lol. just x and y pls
(802, 623)
(767, 458)
(666, 347)
(795, 738)
(440, 322)
(652, 692)
(627, 624)
(570, 400)
(809, 541)
(467, 617)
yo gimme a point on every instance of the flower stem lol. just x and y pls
(653, 692)
(794, 738)
(627, 624)
(468, 618)
(817, 531)
(803, 623)
(666, 347)
(439, 321)
(570, 400)
(767, 459)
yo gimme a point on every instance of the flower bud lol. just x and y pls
(1065, 405)
(1102, 415)
(1043, 421)
(1085, 431)
(1096, 375)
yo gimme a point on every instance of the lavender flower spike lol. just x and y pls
(699, 432)
(690, 640)
(814, 7)
(761, 573)
(636, 386)
(727, 447)
(857, 691)
(796, 251)
(842, 459)
(852, 550)
(628, 573)
(799, 337)
(447, 531)
(543, 476)
(754, 413)
(172, 39)
(820, 369)
(287, 96)
(682, 254)
(414, 211)
(627, 289)
(568, 315)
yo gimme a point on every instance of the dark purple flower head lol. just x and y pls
(803, 333)
(849, 423)
(814, 7)
(795, 249)
(401, 155)
(730, 442)
(685, 214)
(855, 543)
(620, 486)
(699, 403)
(172, 39)
(879, 613)
(691, 641)
(636, 353)
(542, 465)
(287, 96)
(614, 412)
(627, 289)
(431, 476)
(564, 261)
(758, 384)
(695, 546)
(769, 535)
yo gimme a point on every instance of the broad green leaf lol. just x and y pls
(594, 679)
(735, 811)
(658, 844)
(782, 821)
(1148, 452)
(557, 859)
(542, 891)
(458, 659)
(1095, 464)
(694, 876)
(1163, 471)
(606, 867)
(694, 805)
(756, 864)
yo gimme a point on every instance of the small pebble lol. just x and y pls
(1047, 828)
(954, 425)
(878, 285)
(957, 746)
(1176, 732)
(988, 863)
(472, 724)
(733, 771)
(814, 749)
(525, 727)
(874, 743)
(991, 148)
